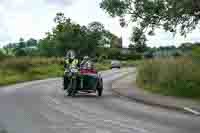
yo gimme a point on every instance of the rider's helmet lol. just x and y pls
(70, 56)
(89, 63)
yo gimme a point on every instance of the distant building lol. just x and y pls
(125, 51)
(166, 53)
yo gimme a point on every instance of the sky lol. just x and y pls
(33, 18)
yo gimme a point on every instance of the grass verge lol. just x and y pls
(173, 77)
(15, 70)
(131, 63)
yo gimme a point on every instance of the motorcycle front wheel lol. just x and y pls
(69, 88)
(74, 82)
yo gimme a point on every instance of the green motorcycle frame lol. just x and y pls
(89, 83)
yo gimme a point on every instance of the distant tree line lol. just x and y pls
(185, 49)
(85, 40)
(93, 40)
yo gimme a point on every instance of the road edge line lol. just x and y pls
(150, 103)
(192, 111)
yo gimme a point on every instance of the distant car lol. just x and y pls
(115, 64)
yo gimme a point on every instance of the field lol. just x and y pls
(14, 70)
(131, 63)
(175, 77)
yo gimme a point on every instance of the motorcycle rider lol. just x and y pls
(70, 61)
(87, 65)
(84, 62)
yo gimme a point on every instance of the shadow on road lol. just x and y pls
(91, 96)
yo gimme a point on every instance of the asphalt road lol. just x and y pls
(40, 107)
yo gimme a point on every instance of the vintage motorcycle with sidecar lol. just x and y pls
(86, 80)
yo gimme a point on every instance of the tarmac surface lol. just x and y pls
(40, 107)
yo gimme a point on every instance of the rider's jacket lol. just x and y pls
(73, 63)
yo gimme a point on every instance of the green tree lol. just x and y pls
(171, 15)
(114, 53)
(116, 42)
(196, 51)
(96, 27)
(47, 46)
(31, 43)
(9, 49)
(66, 35)
(95, 37)
(139, 40)
(60, 18)
(2, 54)
(85, 40)
(132, 48)
(19, 48)
(95, 33)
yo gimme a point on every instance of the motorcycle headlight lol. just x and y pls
(74, 70)
(66, 71)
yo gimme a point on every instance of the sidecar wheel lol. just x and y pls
(69, 94)
(65, 83)
(73, 94)
(99, 91)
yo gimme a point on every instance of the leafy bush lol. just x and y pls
(102, 66)
(196, 51)
(10, 76)
(2, 55)
(131, 63)
(177, 77)
(113, 53)
(13, 70)
(131, 56)
(24, 63)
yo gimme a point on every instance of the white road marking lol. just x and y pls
(191, 111)
(53, 100)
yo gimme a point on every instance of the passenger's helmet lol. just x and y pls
(86, 57)
(71, 54)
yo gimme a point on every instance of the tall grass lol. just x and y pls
(176, 77)
(131, 63)
(14, 70)
(24, 63)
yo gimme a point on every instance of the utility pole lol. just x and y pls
(122, 24)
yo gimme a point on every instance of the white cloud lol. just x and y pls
(25, 19)
(32, 18)
(4, 36)
(86, 11)
(60, 2)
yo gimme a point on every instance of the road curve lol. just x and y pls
(40, 107)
